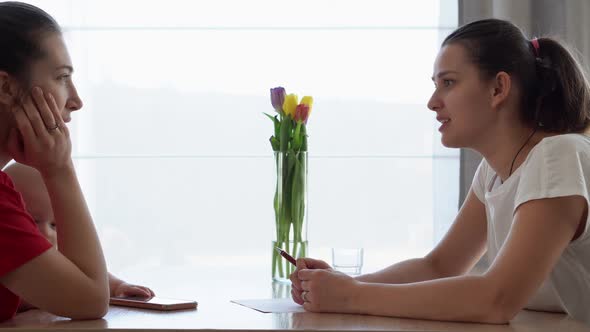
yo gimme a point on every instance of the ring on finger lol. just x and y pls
(53, 127)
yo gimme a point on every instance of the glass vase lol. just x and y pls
(290, 207)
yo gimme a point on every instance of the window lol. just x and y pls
(172, 147)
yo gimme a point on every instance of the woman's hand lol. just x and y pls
(328, 291)
(41, 138)
(304, 263)
(128, 290)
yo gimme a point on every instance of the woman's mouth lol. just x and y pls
(444, 123)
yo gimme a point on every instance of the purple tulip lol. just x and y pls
(277, 98)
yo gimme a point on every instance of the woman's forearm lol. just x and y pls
(77, 238)
(464, 298)
(412, 270)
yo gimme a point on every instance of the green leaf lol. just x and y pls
(295, 196)
(272, 118)
(297, 137)
(303, 138)
(274, 143)
(285, 133)
(298, 196)
(276, 122)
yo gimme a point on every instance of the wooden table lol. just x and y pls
(214, 287)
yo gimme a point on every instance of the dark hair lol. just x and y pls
(555, 91)
(22, 27)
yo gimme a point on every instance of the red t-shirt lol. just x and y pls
(20, 241)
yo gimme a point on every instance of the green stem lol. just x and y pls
(280, 266)
(274, 260)
(303, 249)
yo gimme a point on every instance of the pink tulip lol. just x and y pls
(301, 113)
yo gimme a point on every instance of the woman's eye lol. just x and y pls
(447, 82)
(52, 225)
(64, 77)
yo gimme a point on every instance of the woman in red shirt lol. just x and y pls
(36, 96)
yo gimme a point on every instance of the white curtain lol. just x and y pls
(172, 146)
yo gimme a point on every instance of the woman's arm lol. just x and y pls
(541, 231)
(456, 253)
(71, 282)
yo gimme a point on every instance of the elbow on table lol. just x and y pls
(498, 316)
(96, 311)
(502, 309)
(91, 306)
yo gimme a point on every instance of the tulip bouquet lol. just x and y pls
(289, 144)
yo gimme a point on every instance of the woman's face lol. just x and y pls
(53, 74)
(461, 100)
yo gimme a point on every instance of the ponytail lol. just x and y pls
(562, 96)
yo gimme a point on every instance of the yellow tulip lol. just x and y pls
(307, 100)
(291, 101)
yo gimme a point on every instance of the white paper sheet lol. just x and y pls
(271, 305)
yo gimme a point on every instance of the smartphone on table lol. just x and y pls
(155, 303)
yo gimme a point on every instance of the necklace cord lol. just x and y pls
(522, 147)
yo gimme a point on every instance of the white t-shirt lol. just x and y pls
(557, 166)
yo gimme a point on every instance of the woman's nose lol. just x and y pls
(434, 102)
(74, 102)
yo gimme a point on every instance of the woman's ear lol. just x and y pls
(500, 89)
(7, 89)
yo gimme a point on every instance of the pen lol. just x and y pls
(286, 255)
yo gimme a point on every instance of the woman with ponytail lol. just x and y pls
(524, 105)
